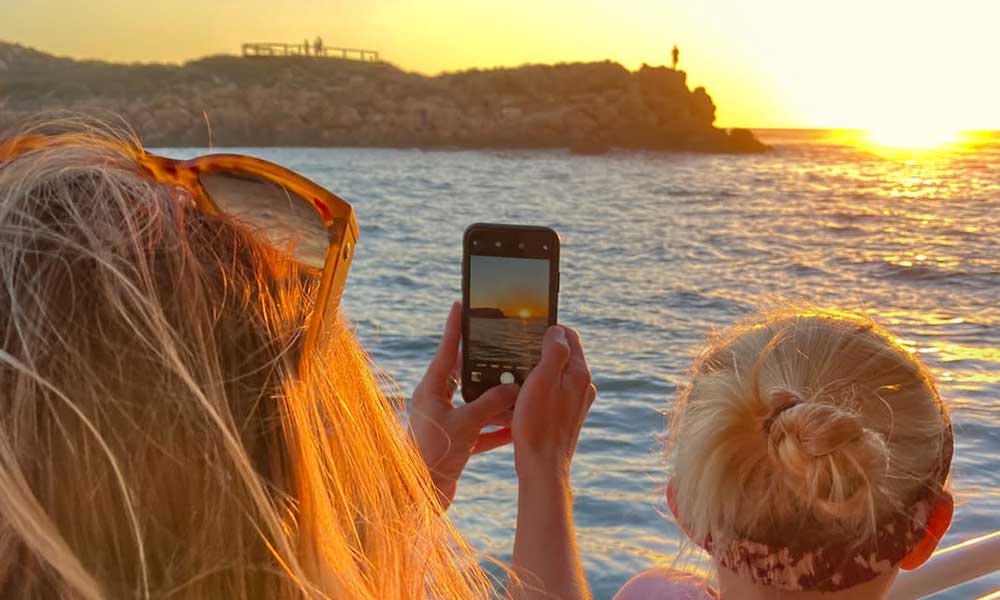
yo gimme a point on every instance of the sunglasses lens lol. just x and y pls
(288, 220)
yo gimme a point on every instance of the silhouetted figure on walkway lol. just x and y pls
(305, 46)
(318, 46)
(676, 54)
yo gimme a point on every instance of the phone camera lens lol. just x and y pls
(497, 244)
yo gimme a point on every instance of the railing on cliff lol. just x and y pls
(282, 49)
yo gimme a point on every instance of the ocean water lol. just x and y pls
(511, 342)
(657, 250)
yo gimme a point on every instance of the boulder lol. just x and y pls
(661, 81)
(743, 140)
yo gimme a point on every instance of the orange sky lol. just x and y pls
(518, 287)
(896, 64)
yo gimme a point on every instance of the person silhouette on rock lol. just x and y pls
(675, 54)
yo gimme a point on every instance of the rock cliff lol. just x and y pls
(304, 101)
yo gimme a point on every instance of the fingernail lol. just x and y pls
(560, 334)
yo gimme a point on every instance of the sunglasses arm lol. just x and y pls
(343, 238)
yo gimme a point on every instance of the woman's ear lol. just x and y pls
(937, 524)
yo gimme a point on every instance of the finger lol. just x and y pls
(555, 354)
(443, 362)
(504, 419)
(455, 377)
(451, 385)
(492, 404)
(576, 367)
(576, 358)
(456, 371)
(492, 439)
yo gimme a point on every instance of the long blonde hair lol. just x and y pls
(155, 440)
(804, 424)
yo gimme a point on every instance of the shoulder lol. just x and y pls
(665, 584)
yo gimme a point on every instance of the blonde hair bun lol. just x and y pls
(803, 424)
(827, 455)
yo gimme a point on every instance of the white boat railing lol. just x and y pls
(950, 567)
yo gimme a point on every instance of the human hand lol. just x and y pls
(552, 407)
(447, 435)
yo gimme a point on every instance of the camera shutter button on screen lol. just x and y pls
(506, 377)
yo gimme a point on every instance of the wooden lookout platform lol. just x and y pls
(305, 49)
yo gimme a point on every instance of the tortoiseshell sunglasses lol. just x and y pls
(297, 215)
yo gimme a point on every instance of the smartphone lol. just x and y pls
(510, 296)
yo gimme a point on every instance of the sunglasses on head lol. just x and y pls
(297, 215)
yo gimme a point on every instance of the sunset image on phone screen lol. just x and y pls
(508, 311)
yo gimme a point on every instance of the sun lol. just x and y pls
(524, 313)
(909, 135)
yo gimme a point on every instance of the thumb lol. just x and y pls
(493, 402)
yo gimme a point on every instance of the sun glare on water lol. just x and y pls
(915, 137)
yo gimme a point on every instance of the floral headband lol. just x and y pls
(840, 566)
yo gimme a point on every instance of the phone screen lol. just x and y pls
(510, 301)
(508, 314)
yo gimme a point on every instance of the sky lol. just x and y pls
(881, 64)
(517, 286)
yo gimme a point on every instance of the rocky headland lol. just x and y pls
(486, 313)
(307, 101)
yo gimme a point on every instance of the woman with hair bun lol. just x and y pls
(809, 456)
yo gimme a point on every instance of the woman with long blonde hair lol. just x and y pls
(809, 456)
(161, 438)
